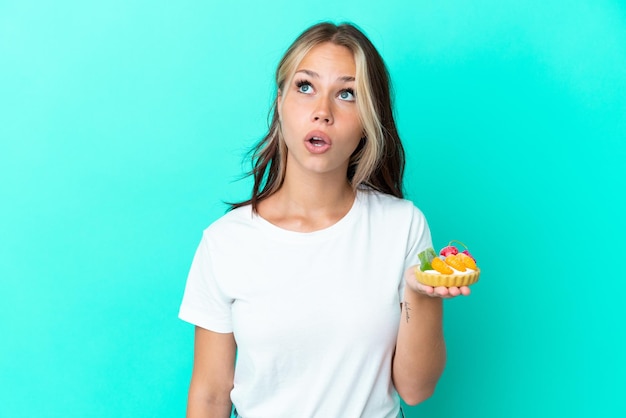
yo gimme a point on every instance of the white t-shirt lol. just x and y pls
(315, 315)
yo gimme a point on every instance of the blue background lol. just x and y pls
(123, 126)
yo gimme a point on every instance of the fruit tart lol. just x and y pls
(449, 268)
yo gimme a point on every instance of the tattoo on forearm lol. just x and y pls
(407, 308)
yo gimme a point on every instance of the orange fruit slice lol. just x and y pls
(440, 266)
(454, 261)
(467, 261)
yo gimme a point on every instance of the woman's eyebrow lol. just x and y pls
(309, 73)
(345, 78)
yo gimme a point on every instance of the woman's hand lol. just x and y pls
(435, 292)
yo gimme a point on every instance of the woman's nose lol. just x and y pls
(323, 111)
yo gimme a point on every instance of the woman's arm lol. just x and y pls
(420, 349)
(212, 376)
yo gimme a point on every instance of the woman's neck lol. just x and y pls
(306, 206)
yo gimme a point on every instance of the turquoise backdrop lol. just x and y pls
(123, 125)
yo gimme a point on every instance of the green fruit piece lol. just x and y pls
(426, 257)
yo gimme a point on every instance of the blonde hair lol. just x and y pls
(378, 161)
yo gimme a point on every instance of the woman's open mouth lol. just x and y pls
(317, 142)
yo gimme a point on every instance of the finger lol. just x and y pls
(465, 290)
(442, 291)
(454, 291)
(428, 290)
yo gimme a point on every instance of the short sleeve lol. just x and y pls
(204, 304)
(419, 239)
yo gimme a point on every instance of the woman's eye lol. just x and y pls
(304, 87)
(346, 95)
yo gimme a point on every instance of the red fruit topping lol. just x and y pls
(449, 250)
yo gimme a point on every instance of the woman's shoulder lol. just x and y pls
(231, 221)
(394, 216)
(378, 200)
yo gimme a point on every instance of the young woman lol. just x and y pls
(311, 280)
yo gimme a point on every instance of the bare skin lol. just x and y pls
(420, 348)
(212, 375)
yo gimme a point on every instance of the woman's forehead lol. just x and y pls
(326, 59)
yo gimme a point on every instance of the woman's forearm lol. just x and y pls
(202, 406)
(420, 349)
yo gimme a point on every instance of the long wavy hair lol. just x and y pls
(378, 161)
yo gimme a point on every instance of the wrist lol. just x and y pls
(429, 309)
